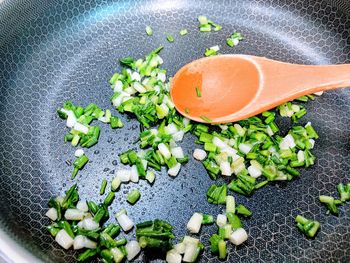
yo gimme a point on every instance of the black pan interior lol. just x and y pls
(51, 52)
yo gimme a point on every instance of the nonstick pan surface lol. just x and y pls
(52, 51)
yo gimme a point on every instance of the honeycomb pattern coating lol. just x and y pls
(69, 49)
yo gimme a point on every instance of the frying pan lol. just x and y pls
(52, 51)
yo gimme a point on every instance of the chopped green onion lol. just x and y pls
(207, 219)
(103, 186)
(222, 249)
(230, 204)
(212, 51)
(344, 192)
(155, 234)
(205, 28)
(79, 164)
(150, 177)
(330, 203)
(115, 122)
(109, 198)
(198, 92)
(133, 196)
(149, 30)
(234, 220)
(242, 210)
(216, 194)
(183, 32)
(206, 119)
(234, 39)
(87, 254)
(170, 38)
(203, 20)
(308, 227)
(115, 184)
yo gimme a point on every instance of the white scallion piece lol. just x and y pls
(130, 90)
(63, 239)
(83, 242)
(118, 86)
(159, 59)
(186, 121)
(225, 168)
(172, 256)
(138, 86)
(238, 236)
(124, 221)
(88, 224)
(281, 176)
(71, 119)
(273, 150)
(221, 220)
(150, 177)
(161, 76)
(174, 171)
(82, 206)
(81, 127)
(295, 108)
(144, 163)
(115, 183)
(254, 171)
(180, 247)
(191, 252)
(172, 144)
(164, 150)
(188, 240)
(239, 129)
(223, 127)
(235, 41)
(195, 223)
(103, 119)
(78, 153)
(269, 131)
(124, 175)
(219, 143)
(199, 154)
(312, 142)
(162, 110)
(215, 48)
(135, 76)
(177, 152)
(231, 152)
(245, 148)
(171, 128)
(301, 156)
(117, 255)
(133, 249)
(178, 136)
(74, 214)
(230, 204)
(134, 175)
(52, 214)
(287, 142)
(319, 93)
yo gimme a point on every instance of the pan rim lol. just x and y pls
(11, 251)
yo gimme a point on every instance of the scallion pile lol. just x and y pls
(251, 153)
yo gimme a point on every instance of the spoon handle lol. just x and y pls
(289, 81)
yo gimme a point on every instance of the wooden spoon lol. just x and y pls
(229, 88)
